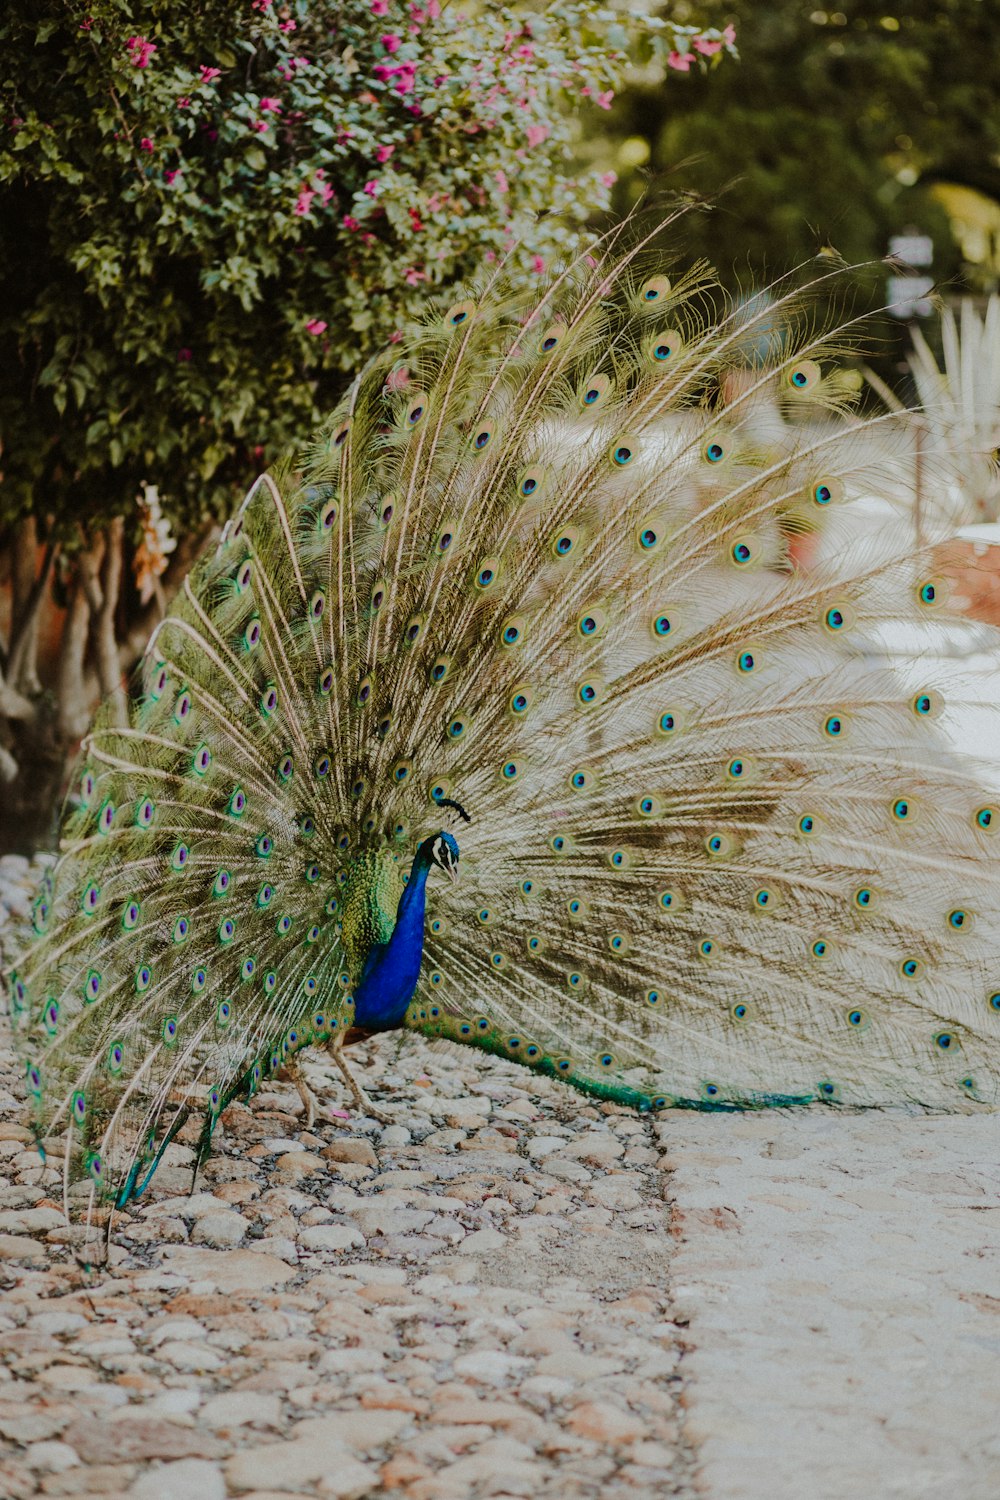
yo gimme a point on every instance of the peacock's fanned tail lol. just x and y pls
(566, 565)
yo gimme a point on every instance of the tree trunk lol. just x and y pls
(109, 673)
(28, 594)
(74, 706)
(98, 647)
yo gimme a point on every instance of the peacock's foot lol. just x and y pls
(335, 1047)
(310, 1104)
(366, 1107)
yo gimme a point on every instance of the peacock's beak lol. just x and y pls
(453, 874)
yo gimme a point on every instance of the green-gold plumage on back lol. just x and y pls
(370, 896)
(605, 573)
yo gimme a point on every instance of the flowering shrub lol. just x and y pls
(212, 211)
(209, 213)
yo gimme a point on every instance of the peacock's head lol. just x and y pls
(444, 853)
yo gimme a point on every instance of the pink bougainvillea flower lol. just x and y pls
(371, 188)
(416, 223)
(391, 42)
(608, 179)
(304, 202)
(184, 102)
(396, 337)
(536, 134)
(261, 5)
(259, 126)
(401, 72)
(139, 51)
(270, 106)
(315, 326)
(350, 222)
(183, 356)
(208, 74)
(87, 24)
(172, 175)
(502, 184)
(382, 153)
(146, 144)
(729, 35)
(287, 26)
(300, 62)
(538, 264)
(380, 7)
(397, 380)
(413, 277)
(681, 61)
(603, 101)
(705, 45)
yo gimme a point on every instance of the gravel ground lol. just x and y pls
(470, 1301)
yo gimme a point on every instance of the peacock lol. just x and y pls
(539, 704)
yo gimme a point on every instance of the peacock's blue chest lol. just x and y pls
(391, 970)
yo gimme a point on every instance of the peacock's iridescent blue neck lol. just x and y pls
(393, 968)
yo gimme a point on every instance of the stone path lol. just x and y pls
(841, 1275)
(468, 1302)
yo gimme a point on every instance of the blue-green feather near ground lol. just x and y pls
(544, 562)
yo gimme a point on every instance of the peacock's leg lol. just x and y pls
(309, 1101)
(335, 1047)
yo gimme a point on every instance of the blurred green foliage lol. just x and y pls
(210, 210)
(831, 131)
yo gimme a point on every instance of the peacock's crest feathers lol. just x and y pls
(543, 562)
